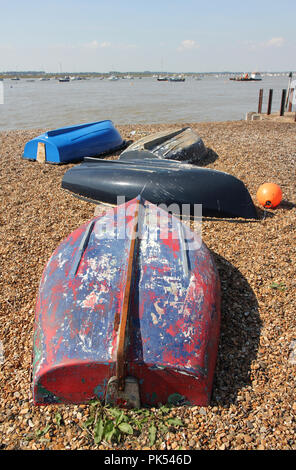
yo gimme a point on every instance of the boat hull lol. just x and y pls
(246, 79)
(173, 311)
(72, 144)
(171, 183)
(182, 144)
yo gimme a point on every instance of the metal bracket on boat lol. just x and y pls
(129, 396)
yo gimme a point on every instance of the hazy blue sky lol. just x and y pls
(156, 35)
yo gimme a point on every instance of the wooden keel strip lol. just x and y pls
(120, 360)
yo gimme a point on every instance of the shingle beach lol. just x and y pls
(254, 394)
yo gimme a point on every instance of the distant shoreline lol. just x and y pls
(41, 74)
(289, 117)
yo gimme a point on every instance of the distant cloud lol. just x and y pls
(103, 45)
(187, 45)
(92, 45)
(97, 45)
(127, 46)
(273, 42)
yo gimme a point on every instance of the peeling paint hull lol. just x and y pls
(173, 311)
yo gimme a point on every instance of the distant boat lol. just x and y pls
(177, 78)
(113, 78)
(44, 79)
(64, 79)
(15, 78)
(161, 78)
(253, 77)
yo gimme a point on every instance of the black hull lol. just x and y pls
(170, 183)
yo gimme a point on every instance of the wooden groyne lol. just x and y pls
(287, 103)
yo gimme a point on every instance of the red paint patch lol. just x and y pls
(172, 243)
(172, 330)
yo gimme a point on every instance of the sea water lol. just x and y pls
(52, 104)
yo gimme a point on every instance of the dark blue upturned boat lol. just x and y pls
(167, 182)
(73, 143)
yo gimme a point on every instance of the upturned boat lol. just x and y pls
(128, 312)
(73, 143)
(180, 144)
(161, 181)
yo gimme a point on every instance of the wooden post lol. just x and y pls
(288, 94)
(260, 101)
(291, 99)
(282, 110)
(269, 101)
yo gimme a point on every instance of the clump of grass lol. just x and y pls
(112, 424)
(278, 285)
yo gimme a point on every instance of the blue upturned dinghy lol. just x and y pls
(72, 144)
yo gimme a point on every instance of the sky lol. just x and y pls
(155, 35)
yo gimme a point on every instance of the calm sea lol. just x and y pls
(52, 104)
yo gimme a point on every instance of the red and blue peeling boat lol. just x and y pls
(128, 312)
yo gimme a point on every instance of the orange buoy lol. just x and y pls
(269, 195)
